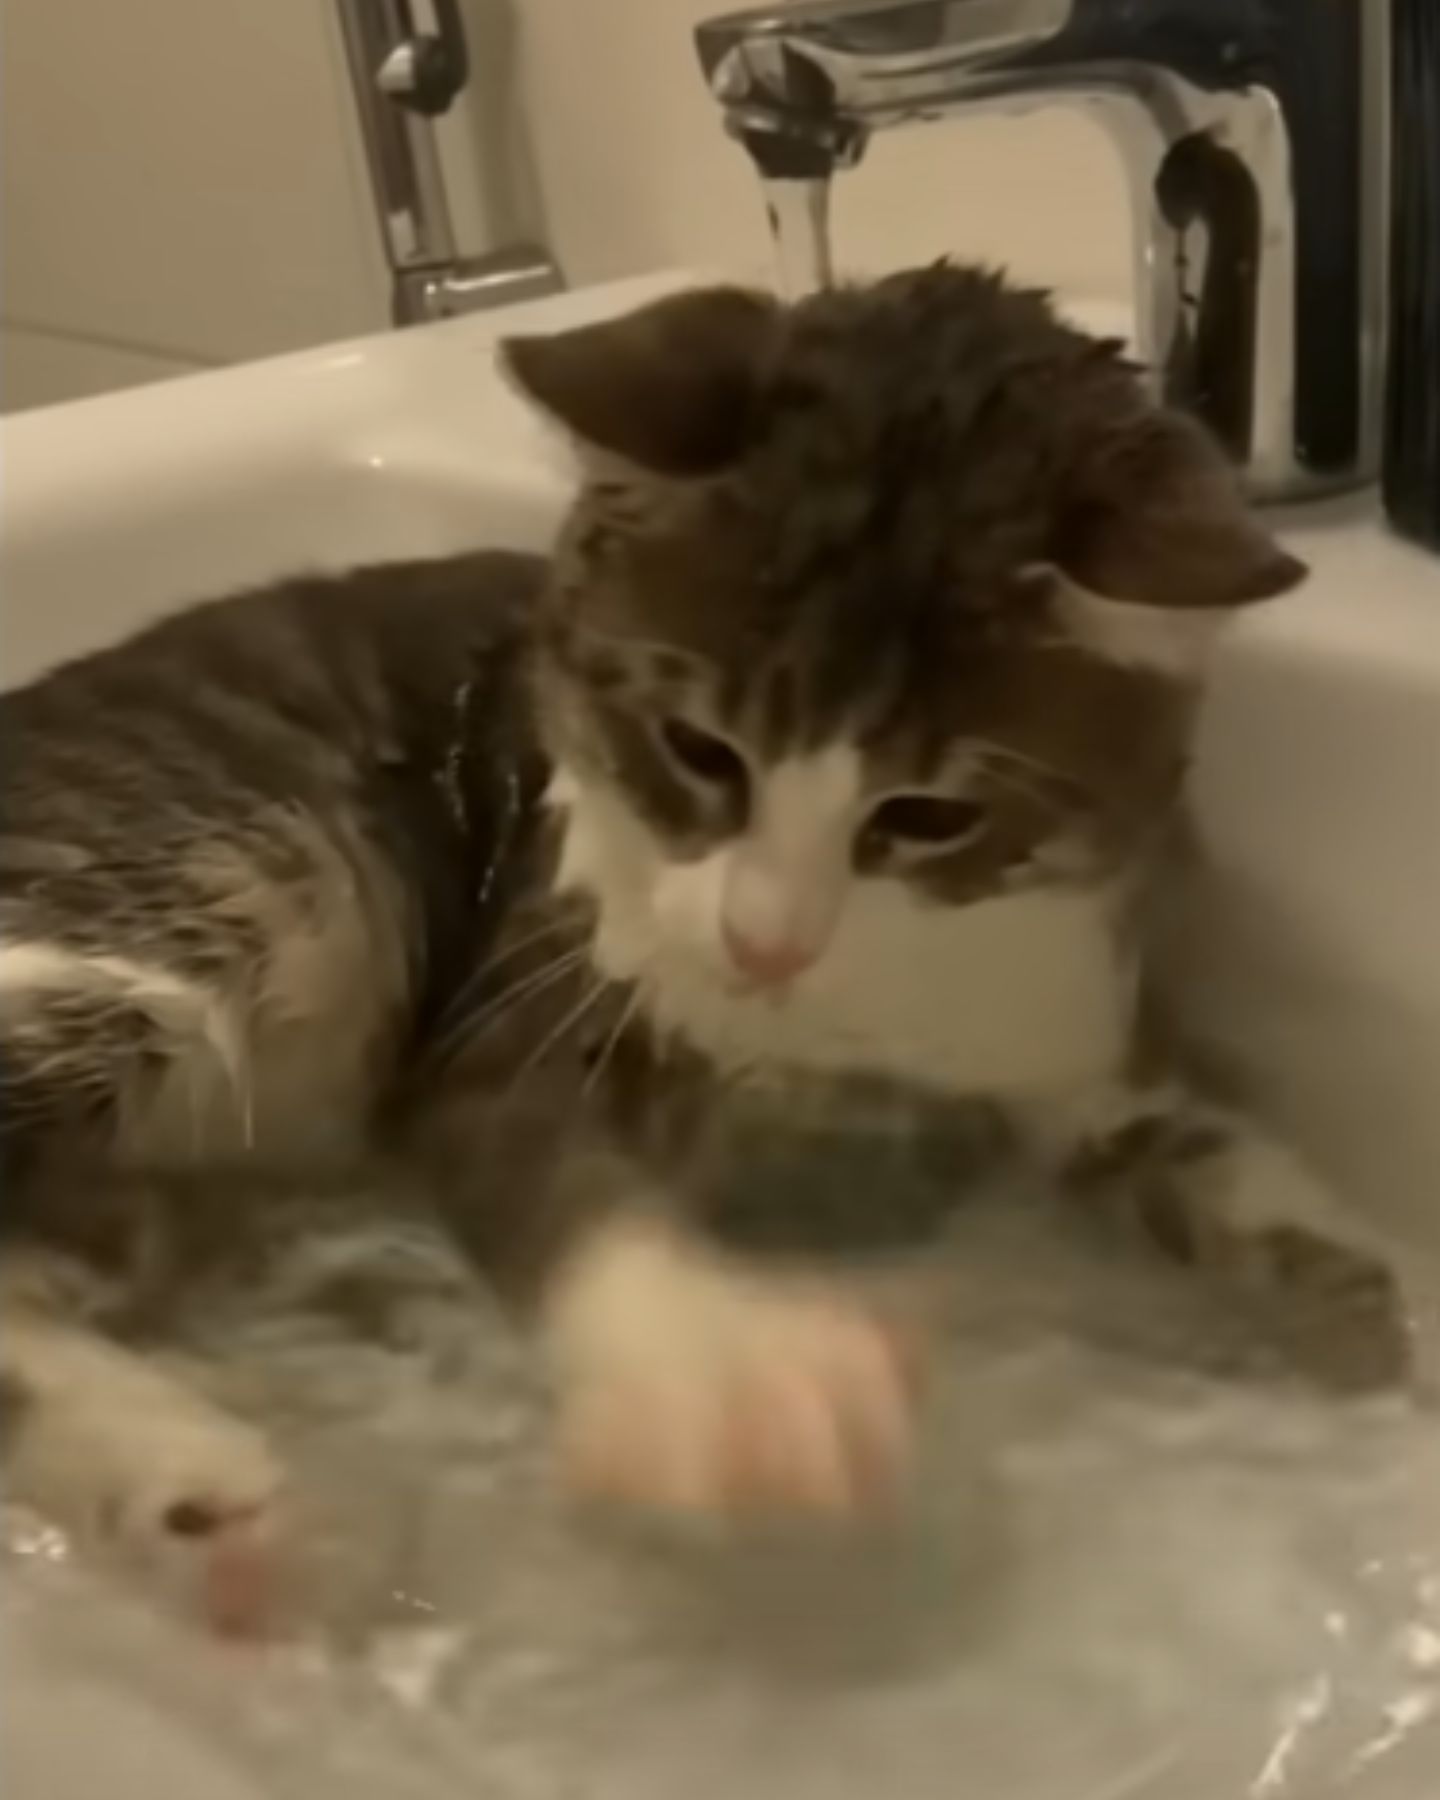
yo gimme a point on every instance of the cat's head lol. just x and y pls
(904, 584)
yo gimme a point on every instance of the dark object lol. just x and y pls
(1412, 407)
(429, 69)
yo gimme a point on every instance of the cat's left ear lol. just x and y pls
(1156, 549)
(671, 388)
(1156, 518)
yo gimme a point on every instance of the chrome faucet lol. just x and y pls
(1253, 133)
(409, 62)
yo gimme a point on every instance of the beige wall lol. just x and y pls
(182, 182)
(176, 189)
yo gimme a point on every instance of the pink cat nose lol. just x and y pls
(771, 964)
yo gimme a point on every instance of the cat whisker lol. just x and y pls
(617, 1031)
(1007, 753)
(469, 1030)
(487, 967)
(1027, 790)
(512, 950)
(1028, 775)
(642, 646)
(552, 1039)
(236, 1065)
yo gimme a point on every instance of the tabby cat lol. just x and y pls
(824, 766)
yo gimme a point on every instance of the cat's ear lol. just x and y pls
(671, 388)
(1163, 640)
(1157, 519)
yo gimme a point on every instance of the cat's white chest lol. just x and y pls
(1018, 995)
(1025, 994)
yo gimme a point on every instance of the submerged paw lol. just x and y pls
(687, 1388)
(1340, 1311)
(164, 1486)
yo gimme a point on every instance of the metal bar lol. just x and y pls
(405, 172)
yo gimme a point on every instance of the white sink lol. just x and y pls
(1313, 952)
(120, 508)
(1310, 955)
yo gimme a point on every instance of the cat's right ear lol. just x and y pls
(1157, 519)
(671, 388)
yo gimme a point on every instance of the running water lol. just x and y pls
(1137, 1566)
(799, 214)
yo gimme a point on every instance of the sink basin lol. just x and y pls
(1306, 954)
(406, 445)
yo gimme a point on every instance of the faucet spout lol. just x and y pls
(1251, 132)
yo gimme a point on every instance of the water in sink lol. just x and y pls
(1136, 1566)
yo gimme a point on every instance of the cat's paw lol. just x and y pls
(1211, 1193)
(692, 1388)
(207, 1512)
(1337, 1309)
(155, 1478)
(1320, 1286)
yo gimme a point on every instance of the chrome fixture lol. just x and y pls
(1252, 133)
(408, 63)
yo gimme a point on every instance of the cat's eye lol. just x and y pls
(924, 822)
(701, 754)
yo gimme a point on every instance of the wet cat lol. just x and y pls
(826, 762)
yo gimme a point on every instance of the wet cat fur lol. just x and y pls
(877, 627)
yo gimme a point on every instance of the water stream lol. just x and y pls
(799, 215)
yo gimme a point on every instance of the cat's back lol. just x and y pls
(219, 703)
(228, 832)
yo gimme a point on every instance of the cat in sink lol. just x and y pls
(830, 757)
